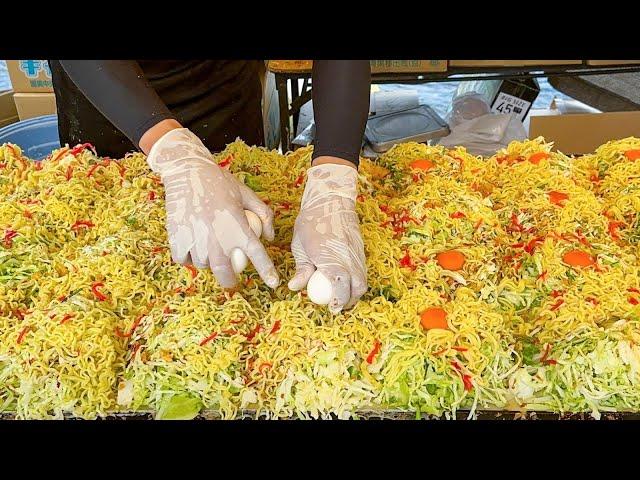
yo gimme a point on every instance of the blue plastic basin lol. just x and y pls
(36, 136)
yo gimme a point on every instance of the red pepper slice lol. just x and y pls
(466, 379)
(633, 289)
(80, 147)
(28, 214)
(38, 165)
(92, 170)
(581, 238)
(226, 161)
(155, 250)
(460, 349)
(613, 229)
(264, 365)
(285, 205)
(299, 180)
(515, 222)
(9, 235)
(385, 208)
(593, 301)
(545, 354)
(276, 327)
(60, 154)
(82, 223)
(360, 198)
(633, 301)
(556, 293)
(69, 173)
(556, 305)
(192, 270)
(23, 332)
(152, 195)
(457, 215)
(166, 310)
(374, 352)
(478, 224)
(440, 352)
(551, 361)
(133, 327)
(13, 150)
(208, 339)
(66, 318)
(531, 246)
(105, 163)
(407, 262)
(254, 332)
(98, 294)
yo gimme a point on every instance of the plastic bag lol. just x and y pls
(466, 107)
(393, 101)
(486, 134)
(306, 136)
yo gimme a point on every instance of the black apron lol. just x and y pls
(219, 100)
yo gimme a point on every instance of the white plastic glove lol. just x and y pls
(205, 209)
(327, 235)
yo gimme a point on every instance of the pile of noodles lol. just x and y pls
(95, 317)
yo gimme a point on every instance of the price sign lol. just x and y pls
(505, 103)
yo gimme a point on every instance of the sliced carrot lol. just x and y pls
(557, 198)
(434, 317)
(422, 164)
(578, 258)
(451, 260)
(537, 157)
(632, 154)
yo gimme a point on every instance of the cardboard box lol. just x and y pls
(377, 66)
(597, 63)
(581, 133)
(30, 76)
(408, 66)
(34, 104)
(510, 63)
(8, 112)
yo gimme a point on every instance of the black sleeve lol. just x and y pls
(340, 107)
(119, 90)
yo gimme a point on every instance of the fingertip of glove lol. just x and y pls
(272, 281)
(294, 284)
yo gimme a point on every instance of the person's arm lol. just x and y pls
(120, 91)
(205, 204)
(327, 234)
(340, 107)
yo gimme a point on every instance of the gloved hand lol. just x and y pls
(327, 237)
(205, 209)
